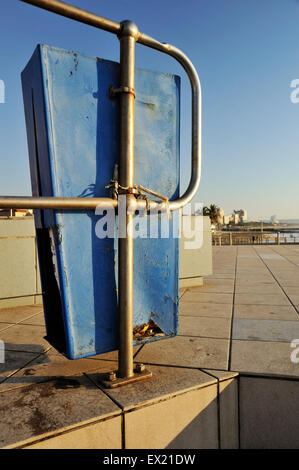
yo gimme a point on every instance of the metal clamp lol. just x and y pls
(113, 92)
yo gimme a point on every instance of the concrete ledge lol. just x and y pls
(48, 401)
(191, 282)
(178, 408)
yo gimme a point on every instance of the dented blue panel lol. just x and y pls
(73, 139)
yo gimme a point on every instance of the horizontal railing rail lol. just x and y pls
(114, 27)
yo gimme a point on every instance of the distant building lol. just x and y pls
(235, 219)
(274, 220)
(242, 215)
(220, 216)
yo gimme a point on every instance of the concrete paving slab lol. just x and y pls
(17, 314)
(265, 330)
(287, 274)
(256, 263)
(271, 256)
(294, 298)
(197, 296)
(195, 309)
(15, 360)
(221, 276)
(37, 319)
(289, 282)
(187, 352)
(5, 325)
(291, 290)
(266, 312)
(50, 366)
(261, 299)
(253, 274)
(254, 277)
(282, 265)
(257, 288)
(220, 286)
(25, 338)
(263, 357)
(111, 356)
(288, 268)
(43, 409)
(247, 271)
(205, 327)
(223, 272)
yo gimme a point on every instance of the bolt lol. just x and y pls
(111, 376)
(140, 368)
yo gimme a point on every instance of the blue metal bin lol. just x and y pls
(73, 139)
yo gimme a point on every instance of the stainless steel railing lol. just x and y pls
(128, 35)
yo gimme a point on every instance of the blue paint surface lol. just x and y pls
(73, 138)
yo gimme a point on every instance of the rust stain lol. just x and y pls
(76, 65)
(76, 61)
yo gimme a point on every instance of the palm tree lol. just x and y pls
(212, 212)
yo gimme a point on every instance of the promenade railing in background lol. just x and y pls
(254, 238)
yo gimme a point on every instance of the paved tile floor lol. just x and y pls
(243, 319)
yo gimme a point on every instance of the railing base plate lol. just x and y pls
(120, 382)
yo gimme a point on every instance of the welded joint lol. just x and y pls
(128, 28)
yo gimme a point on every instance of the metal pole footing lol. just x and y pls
(110, 380)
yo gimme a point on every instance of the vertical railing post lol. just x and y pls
(127, 36)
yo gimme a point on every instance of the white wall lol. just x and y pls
(197, 262)
(19, 271)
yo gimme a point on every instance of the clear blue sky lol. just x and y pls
(246, 53)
